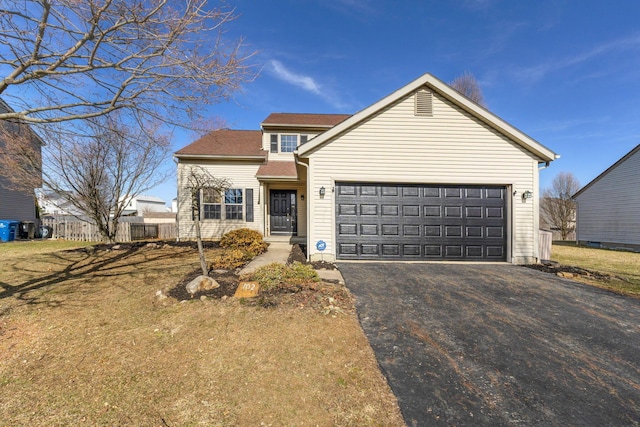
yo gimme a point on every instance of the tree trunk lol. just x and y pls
(203, 262)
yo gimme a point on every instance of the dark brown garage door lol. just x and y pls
(420, 222)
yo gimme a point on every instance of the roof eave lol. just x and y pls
(218, 157)
(606, 171)
(278, 178)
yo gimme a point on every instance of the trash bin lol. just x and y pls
(27, 230)
(45, 232)
(8, 230)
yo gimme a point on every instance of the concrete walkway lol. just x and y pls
(279, 252)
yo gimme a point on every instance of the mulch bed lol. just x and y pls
(570, 271)
(228, 284)
(330, 298)
(145, 244)
(298, 255)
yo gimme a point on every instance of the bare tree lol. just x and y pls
(467, 85)
(200, 183)
(97, 168)
(76, 59)
(557, 208)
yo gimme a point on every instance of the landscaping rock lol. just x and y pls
(565, 274)
(201, 283)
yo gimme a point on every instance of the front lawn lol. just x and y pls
(85, 339)
(623, 268)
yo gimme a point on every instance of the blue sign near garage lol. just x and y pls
(321, 245)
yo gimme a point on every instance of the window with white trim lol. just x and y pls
(211, 204)
(288, 143)
(233, 203)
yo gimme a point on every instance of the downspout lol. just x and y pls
(307, 202)
(177, 199)
(541, 166)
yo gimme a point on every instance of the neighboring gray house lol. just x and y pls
(609, 206)
(15, 204)
(423, 174)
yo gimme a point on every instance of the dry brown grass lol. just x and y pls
(623, 267)
(84, 341)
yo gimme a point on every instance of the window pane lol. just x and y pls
(233, 203)
(210, 195)
(233, 211)
(211, 211)
(233, 196)
(288, 143)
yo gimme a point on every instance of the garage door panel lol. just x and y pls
(389, 221)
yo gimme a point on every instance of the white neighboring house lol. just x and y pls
(159, 218)
(141, 204)
(423, 174)
(608, 212)
(51, 203)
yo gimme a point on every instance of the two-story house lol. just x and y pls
(17, 202)
(423, 174)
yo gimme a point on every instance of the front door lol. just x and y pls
(283, 212)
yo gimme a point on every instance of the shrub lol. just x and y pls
(245, 239)
(281, 276)
(230, 259)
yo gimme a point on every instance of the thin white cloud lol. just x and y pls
(539, 71)
(304, 82)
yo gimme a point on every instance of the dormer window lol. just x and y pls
(288, 143)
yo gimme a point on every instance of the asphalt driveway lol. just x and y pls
(465, 344)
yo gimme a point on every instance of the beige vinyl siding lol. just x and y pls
(609, 210)
(451, 147)
(242, 175)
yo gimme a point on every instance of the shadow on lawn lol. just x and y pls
(91, 264)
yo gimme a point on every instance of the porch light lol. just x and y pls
(322, 191)
(527, 195)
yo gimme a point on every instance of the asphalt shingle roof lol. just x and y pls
(328, 120)
(225, 142)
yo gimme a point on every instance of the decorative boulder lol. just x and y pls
(201, 283)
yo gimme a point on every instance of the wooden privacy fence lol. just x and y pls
(74, 229)
(545, 240)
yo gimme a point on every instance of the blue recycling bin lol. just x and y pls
(8, 230)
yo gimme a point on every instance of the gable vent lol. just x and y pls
(424, 103)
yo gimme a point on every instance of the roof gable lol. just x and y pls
(428, 80)
(226, 143)
(608, 170)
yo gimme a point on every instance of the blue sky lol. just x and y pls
(567, 73)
